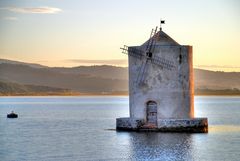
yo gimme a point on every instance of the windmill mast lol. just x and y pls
(161, 22)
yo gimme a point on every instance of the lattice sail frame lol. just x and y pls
(148, 56)
(139, 54)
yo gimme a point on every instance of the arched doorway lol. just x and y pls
(152, 113)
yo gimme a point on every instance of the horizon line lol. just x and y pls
(100, 62)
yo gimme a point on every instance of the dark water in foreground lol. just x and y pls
(76, 128)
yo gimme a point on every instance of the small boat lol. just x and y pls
(12, 115)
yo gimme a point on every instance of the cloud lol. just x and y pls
(108, 61)
(11, 18)
(39, 10)
(217, 66)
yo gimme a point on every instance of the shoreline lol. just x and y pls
(64, 95)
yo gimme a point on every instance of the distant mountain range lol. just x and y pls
(17, 89)
(21, 63)
(102, 79)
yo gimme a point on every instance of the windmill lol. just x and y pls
(147, 56)
(161, 88)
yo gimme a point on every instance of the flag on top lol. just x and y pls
(162, 21)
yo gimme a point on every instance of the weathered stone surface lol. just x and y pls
(194, 125)
(129, 123)
(172, 90)
(183, 125)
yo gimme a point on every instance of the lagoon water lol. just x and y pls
(82, 128)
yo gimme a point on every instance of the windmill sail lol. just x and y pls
(134, 52)
(148, 56)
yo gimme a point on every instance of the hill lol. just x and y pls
(7, 89)
(102, 79)
(5, 61)
(104, 71)
(84, 83)
(216, 80)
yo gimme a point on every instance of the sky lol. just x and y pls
(91, 32)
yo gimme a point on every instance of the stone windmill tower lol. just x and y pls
(161, 90)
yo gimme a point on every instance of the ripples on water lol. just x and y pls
(76, 128)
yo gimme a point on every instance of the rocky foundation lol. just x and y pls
(193, 125)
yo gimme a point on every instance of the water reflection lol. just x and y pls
(160, 146)
(224, 128)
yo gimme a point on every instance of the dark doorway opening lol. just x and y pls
(152, 113)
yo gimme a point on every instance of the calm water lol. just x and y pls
(77, 128)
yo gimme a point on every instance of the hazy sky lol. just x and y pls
(74, 32)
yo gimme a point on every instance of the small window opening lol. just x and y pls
(180, 59)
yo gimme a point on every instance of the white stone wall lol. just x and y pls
(172, 90)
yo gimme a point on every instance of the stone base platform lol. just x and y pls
(193, 125)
